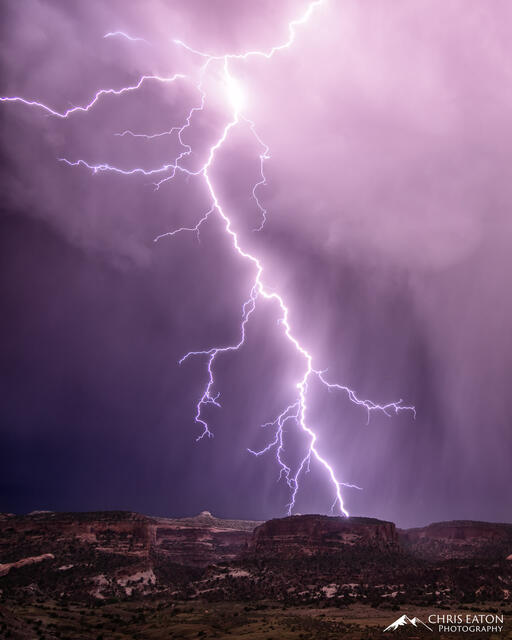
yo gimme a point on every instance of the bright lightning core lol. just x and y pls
(295, 413)
(236, 95)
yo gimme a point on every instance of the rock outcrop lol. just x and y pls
(201, 540)
(5, 568)
(115, 553)
(313, 534)
(121, 555)
(458, 539)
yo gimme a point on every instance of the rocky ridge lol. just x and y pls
(458, 539)
(121, 555)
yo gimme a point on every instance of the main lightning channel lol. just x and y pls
(295, 412)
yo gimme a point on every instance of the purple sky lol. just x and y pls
(389, 235)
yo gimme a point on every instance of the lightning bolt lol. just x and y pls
(122, 34)
(99, 94)
(296, 412)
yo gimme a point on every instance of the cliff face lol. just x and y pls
(123, 554)
(201, 540)
(110, 532)
(458, 539)
(313, 534)
(205, 540)
(113, 554)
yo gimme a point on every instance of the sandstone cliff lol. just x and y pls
(310, 557)
(458, 539)
(312, 534)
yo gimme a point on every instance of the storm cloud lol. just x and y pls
(388, 232)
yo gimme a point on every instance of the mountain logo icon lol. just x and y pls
(404, 621)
